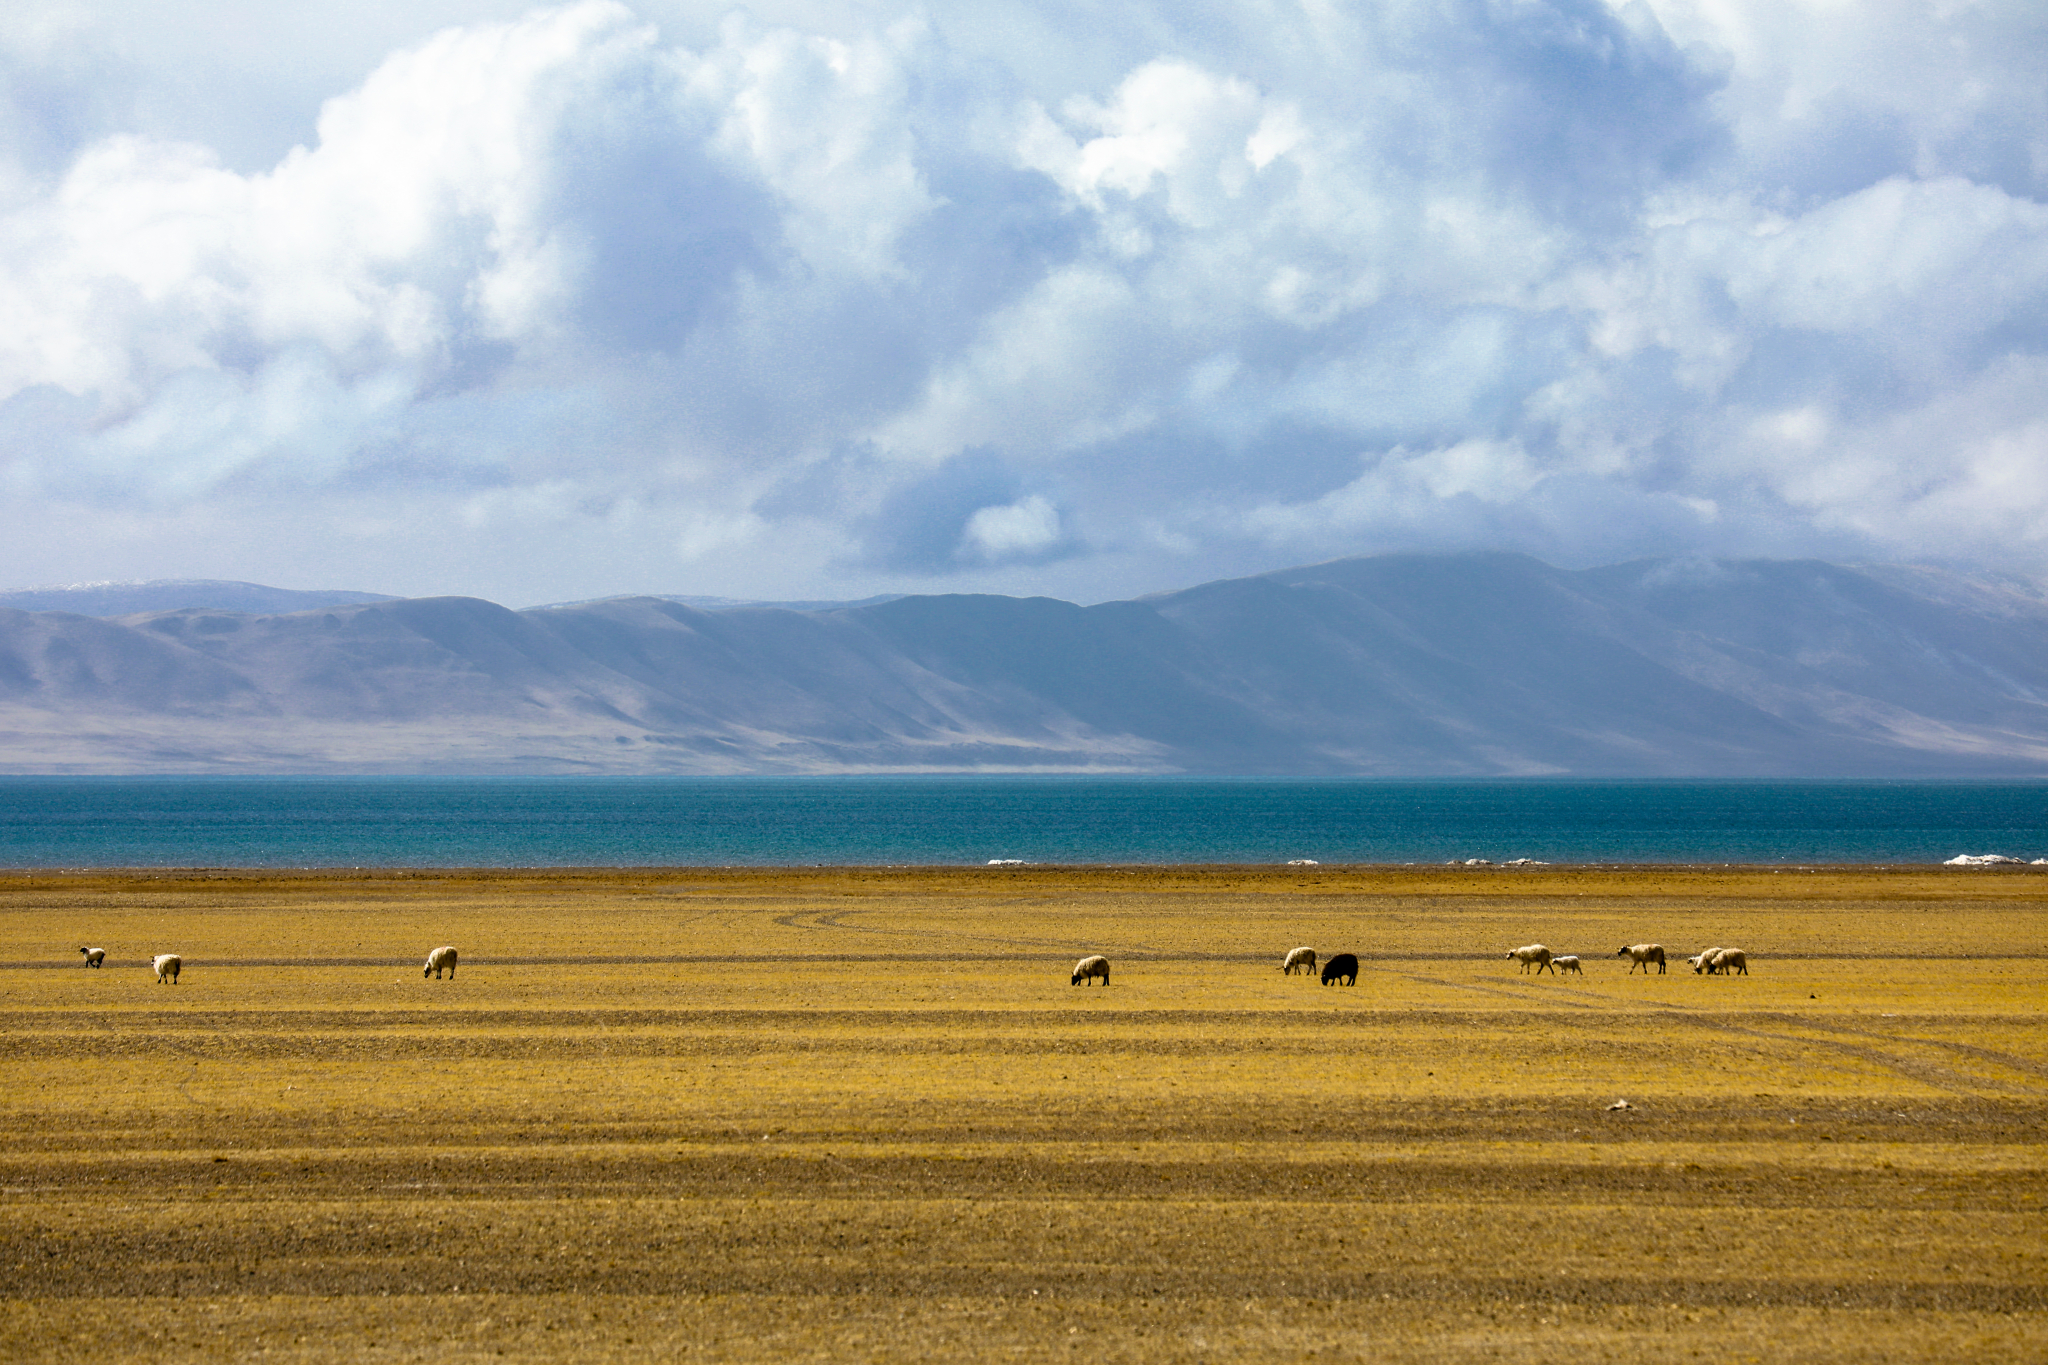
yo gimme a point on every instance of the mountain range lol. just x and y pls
(1452, 665)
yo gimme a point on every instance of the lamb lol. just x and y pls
(1343, 967)
(1642, 955)
(1703, 961)
(1729, 960)
(436, 960)
(1301, 959)
(1567, 963)
(1535, 953)
(167, 965)
(94, 956)
(1088, 968)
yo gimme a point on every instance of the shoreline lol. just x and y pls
(1017, 868)
(1413, 873)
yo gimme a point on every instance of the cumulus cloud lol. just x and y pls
(652, 296)
(1025, 529)
(973, 512)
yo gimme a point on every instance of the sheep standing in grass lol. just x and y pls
(167, 965)
(1300, 960)
(1343, 967)
(1088, 968)
(1567, 964)
(436, 960)
(94, 956)
(1703, 961)
(1728, 961)
(1642, 955)
(1535, 955)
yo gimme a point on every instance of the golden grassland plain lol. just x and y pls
(850, 1115)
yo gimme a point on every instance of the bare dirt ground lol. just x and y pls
(853, 1115)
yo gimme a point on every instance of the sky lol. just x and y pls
(810, 300)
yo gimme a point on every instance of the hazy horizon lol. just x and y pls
(2029, 585)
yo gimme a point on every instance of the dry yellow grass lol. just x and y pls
(861, 1115)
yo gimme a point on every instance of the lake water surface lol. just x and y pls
(567, 822)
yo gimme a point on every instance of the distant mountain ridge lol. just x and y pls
(728, 603)
(221, 594)
(173, 594)
(1452, 665)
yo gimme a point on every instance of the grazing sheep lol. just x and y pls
(1535, 953)
(1642, 955)
(1343, 967)
(1730, 960)
(94, 956)
(436, 960)
(1567, 963)
(1301, 959)
(1702, 961)
(1088, 968)
(167, 965)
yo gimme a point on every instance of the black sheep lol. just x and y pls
(1343, 967)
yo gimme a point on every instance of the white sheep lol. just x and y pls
(1301, 959)
(94, 956)
(1567, 963)
(1642, 955)
(1534, 953)
(1702, 960)
(167, 965)
(1088, 968)
(1729, 960)
(436, 960)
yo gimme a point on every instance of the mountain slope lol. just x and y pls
(1402, 664)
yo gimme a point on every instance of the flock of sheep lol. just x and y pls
(1708, 961)
(1344, 966)
(168, 965)
(1095, 967)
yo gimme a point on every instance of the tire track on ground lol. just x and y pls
(1471, 986)
(2003, 1059)
(831, 919)
(1927, 1073)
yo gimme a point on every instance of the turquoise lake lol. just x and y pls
(568, 822)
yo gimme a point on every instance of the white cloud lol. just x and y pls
(828, 126)
(1196, 136)
(1064, 367)
(902, 297)
(1026, 527)
(1402, 486)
